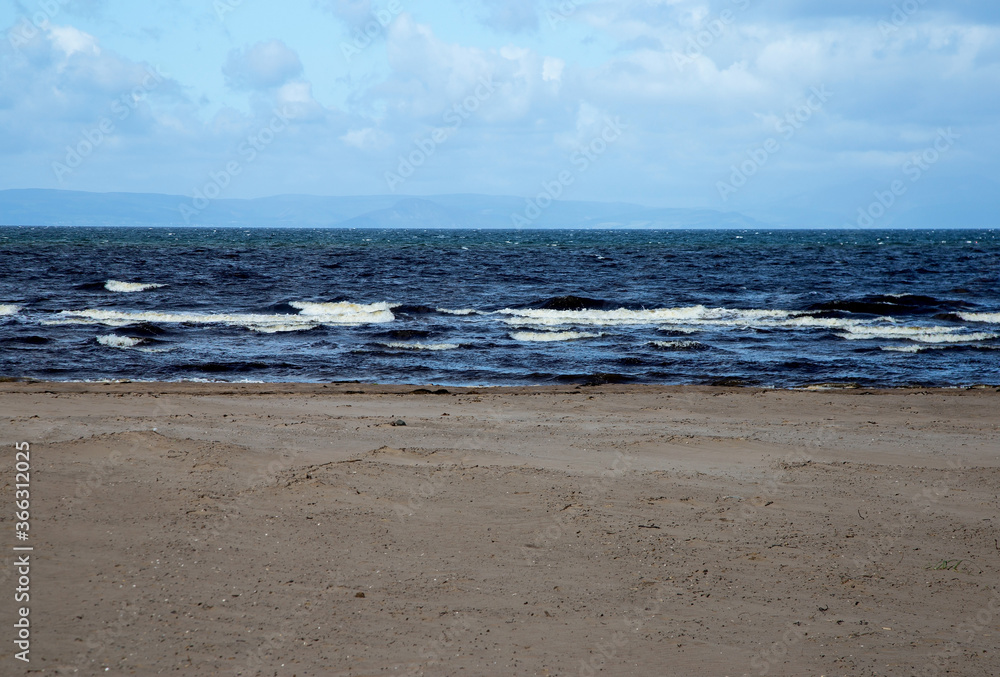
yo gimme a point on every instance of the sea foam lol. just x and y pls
(547, 336)
(991, 318)
(9, 310)
(331, 312)
(661, 316)
(918, 334)
(422, 346)
(129, 287)
(679, 345)
(460, 311)
(115, 341)
(311, 316)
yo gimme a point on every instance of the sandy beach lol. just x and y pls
(345, 529)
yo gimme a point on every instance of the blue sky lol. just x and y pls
(785, 110)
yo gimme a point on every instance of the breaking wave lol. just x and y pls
(460, 311)
(311, 315)
(422, 346)
(679, 345)
(604, 318)
(115, 341)
(129, 343)
(129, 287)
(919, 334)
(550, 336)
(991, 318)
(926, 348)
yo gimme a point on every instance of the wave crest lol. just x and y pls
(548, 336)
(989, 318)
(422, 346)
(115, 341)
(129, 287)
(311, 316)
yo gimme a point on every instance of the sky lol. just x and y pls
(794, 111)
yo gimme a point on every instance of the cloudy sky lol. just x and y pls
(781, 109)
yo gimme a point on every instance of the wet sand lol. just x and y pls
(618, 530)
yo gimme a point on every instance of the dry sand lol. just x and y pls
(213, 529)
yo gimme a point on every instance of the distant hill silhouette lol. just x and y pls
(39, 207)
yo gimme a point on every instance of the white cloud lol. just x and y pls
(552, 69)
(297, 98)
(367, 139)
(352, 12)
(511, 16)
(261, 66)
(71, 40)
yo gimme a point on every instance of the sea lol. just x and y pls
(765, 308)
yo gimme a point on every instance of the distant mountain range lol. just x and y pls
(38, 207)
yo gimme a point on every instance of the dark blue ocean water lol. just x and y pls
(781, 308)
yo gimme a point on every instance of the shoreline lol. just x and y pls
(353, 387)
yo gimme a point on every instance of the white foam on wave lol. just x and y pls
(680, 330)
(925, 348)
(422, 346)
(350, 312)
(991, 318)
(129, 287)
(84, 320)
(678, 345)
(9, 309)
(904, 349)
(548, 336)
(115, 341)
(311, 316)
(460, 311)
(624, 317)
(808, 321)
(919, 334)
(129, 343)
(281, 327)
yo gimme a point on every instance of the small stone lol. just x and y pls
(360, 595)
